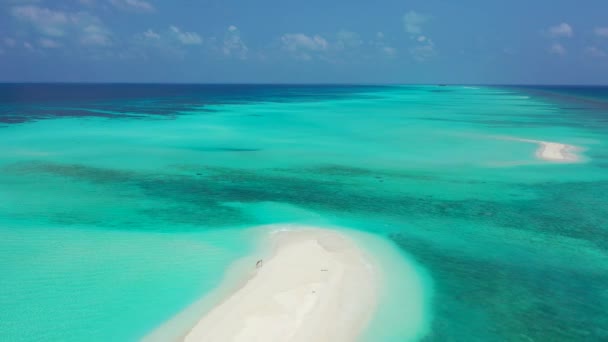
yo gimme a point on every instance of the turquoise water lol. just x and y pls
(118, 211)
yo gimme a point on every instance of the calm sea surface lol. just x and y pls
(122, 204)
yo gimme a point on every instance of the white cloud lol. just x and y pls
(413, 22)
(424, 50)
(381, 45)
(594, 51)
(304, 47)
(95, 35)
(424, 47)
(233, 43)
(28, 46)
(558, 49)
(347, 39)
(186, 38)
(47, 21)
(560, 31)
(48, 43)
(389, 51)
(87, 29)
(601, 32)
(300, 41)
(172, 42)
(150, 34)
(133, 5)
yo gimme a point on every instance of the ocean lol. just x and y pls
(122, 204)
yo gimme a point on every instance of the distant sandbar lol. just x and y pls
(557, 152)
(553, 151)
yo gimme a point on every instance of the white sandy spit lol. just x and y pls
(553, 151)
(557, 152)
(316, 285)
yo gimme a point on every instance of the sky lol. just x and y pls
(312, 41)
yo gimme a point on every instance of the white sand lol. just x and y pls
(316, 286)
(557, 152)
(552, 151)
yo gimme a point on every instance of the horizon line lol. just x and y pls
(310, 83)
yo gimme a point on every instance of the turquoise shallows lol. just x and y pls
(118, 212)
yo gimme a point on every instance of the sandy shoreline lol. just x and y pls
(316, 285)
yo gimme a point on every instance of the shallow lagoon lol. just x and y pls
(111, 224)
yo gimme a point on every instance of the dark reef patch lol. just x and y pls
(572, 209)
(477, 299)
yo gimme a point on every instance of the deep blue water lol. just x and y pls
(25, 102)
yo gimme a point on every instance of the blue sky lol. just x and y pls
(285, 41)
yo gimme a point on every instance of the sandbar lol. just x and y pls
(552, 151)
(557, 152)
(316, 285)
